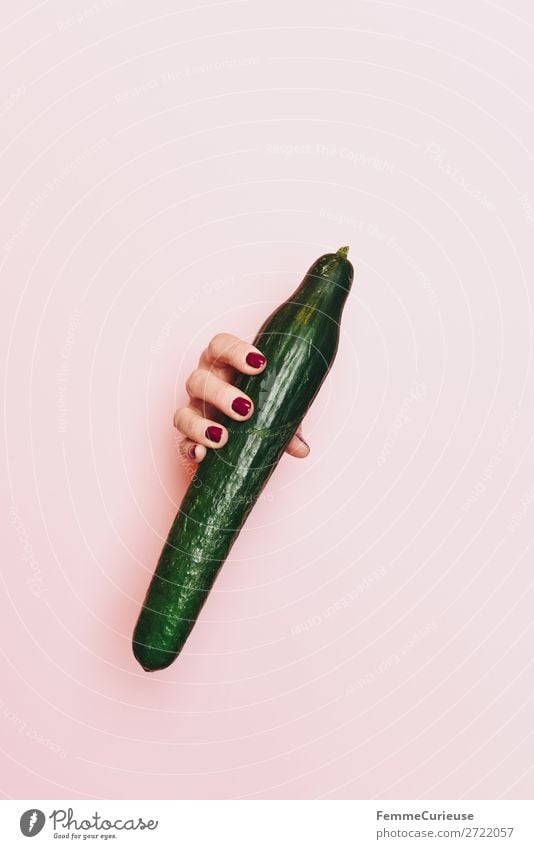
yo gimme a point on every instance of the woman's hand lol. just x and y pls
(210, 388)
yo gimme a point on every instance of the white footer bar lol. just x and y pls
(269, 824)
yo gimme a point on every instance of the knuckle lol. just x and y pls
(192, 381)
(178, 418)
(189, 385)
(216, 344)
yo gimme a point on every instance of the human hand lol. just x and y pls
(210, 388)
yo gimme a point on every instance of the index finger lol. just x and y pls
(228, 350)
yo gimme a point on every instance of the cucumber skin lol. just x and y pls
(300, 341)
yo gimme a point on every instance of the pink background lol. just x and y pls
(169, 171)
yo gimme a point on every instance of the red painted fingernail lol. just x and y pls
(192, 453)
(241, 406)
(214, 433)
(256, 360)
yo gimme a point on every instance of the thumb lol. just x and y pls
(298, 447)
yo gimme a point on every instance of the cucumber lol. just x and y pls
(300, 340)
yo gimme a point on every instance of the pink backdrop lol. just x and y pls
(170, 172)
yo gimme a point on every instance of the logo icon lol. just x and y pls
(32, 822)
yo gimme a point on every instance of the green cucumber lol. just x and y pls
(300, 340)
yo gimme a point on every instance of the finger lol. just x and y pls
(192, 451)
(200, 430)
(298, 447)
(204, 385)
(207, 411)
(227, 350)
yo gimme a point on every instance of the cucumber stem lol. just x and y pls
(342, 252)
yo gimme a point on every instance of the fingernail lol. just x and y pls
(192, 453)
(299, 437)
(255, 360)
(241, 406)
(214, 433)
